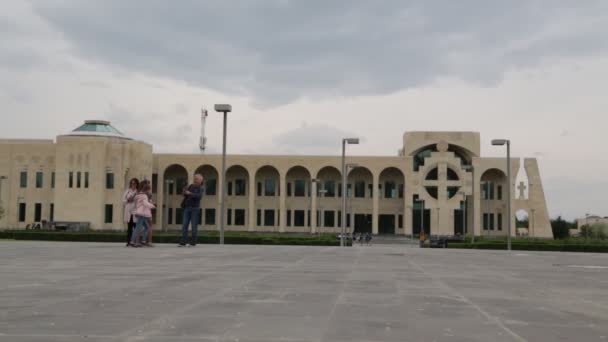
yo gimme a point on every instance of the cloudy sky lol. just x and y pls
(302, 74)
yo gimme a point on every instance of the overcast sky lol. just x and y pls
(302, 74)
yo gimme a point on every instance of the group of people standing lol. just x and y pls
(138, 205)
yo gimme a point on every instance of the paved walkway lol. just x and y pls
(54, 291)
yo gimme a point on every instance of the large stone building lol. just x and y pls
(81, 177)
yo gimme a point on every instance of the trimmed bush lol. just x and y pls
(205, 238)
(568, 245)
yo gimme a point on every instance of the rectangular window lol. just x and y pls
(370, 190)
(229, 218)
(52, 212)
(52, 180)
(170, 188)
(154, 183)
(400, 190)
(492, 221)
(179, 216)
(298, 218)
(390, 190)
(329, 218)
(330, 187)
(348, 220)
(289, 189)
(270, 187)
(318, 218)
(170, 216)
(259, 217)
(22, 209)
(339, 189)
(259, 189)
(499, 223)
(78, 179)
(239, 187)
(239, 217)
(400, 221)
(211, 187)
(485, 221)
(349, 190)
(288, 218)
(37, 212)
(71, 179)
(380, 190)
(109, 213)
(269, 217)
(229, 188)
(299, 188)
(39, 176)
(109, 180)
(499, 192)
(360, 189)
(210, 216)
(23, 179)
(339, 218)
(153, 216)
(86, 180)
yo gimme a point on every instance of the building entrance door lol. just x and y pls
(386, 224)
(363, 223)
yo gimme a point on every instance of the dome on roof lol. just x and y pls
(98, 128)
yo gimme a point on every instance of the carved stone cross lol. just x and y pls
(521, 187)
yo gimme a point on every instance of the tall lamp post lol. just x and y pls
(502, 142)
(223, 108)
(464, 213)
(472, 169)
(349, 166)
(351, 141)
(312, 181)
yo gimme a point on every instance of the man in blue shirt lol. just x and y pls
(191, 205)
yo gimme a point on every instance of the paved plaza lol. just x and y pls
(56, 291)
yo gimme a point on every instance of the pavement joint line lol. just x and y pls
(457, 294)
(340, 296)
(132, 336)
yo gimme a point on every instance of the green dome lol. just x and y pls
(98, 128)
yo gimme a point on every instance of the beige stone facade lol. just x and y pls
(81, 177)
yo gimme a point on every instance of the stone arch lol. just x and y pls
(267, 179)
(522, 222)
(295, 175)
(175, 178)
(362, 177)
(210, 178)
(493, 199)
(298, 201)
(237, 174)
(329, 177)
(391, 204)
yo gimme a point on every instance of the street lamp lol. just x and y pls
(166, 200)
(321, 222)
(223, 108)
(472, 169)
(351, 141)
(349, 166)
(312, 181)
(464, 213)
(502, 142)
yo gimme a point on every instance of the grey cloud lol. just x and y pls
(279, 51)
(311, 139)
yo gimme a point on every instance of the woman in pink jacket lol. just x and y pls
(142, 213)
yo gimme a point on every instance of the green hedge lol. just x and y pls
(204, 238)
(536, 245)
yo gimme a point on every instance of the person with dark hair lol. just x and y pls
(146, 236)
(191, 205)
(128, 200)
(142, 213)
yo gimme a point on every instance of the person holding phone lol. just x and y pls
(191, 205)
